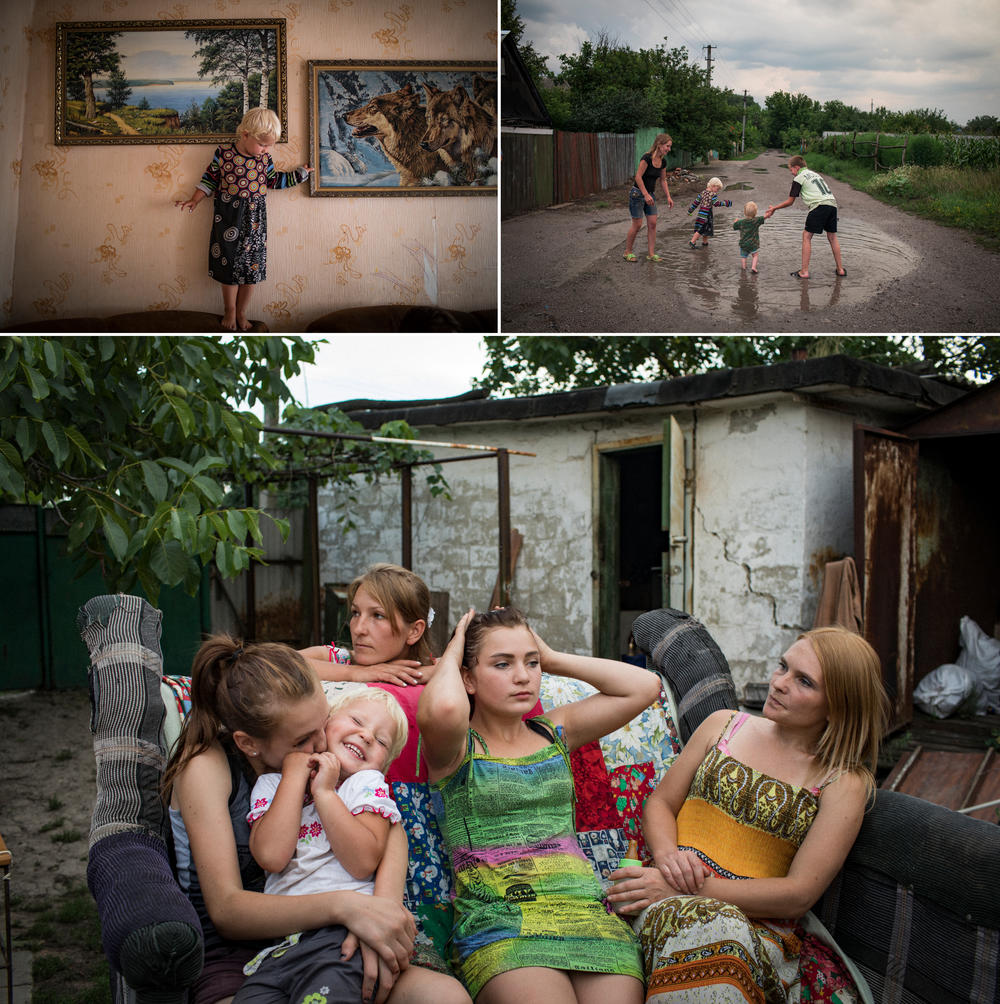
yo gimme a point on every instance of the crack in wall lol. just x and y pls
(770, 598)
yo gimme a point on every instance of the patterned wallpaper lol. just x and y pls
(95, 230)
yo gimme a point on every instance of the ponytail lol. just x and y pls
(237, 687)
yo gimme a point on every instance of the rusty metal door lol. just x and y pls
(885, 489)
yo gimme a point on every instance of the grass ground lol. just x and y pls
(64, 937)
(965, 198)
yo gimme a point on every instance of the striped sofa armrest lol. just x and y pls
(682, 651)
(150, 932)
(915, 905)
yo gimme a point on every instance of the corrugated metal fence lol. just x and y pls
(540, 167)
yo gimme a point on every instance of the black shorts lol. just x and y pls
(822, 218)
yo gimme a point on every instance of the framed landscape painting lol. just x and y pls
(121, 82)
(403, 128)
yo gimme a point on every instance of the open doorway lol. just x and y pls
(642, 553)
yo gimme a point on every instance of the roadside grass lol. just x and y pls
(966, 198)
(64, 937)
(748, 154)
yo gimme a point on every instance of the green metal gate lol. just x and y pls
(39, 642)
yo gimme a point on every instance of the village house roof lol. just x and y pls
(840, 380)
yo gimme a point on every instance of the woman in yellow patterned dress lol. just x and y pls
(751, 823)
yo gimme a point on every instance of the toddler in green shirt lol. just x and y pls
(749, 228)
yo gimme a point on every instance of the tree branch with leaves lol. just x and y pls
(142, 447)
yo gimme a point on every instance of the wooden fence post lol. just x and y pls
(875, 159)
(906, 139)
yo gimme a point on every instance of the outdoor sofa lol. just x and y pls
(915, 905)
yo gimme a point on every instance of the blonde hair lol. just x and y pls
(750, 209)
(405, 598)
(797, 161)
(261, 123)
(857, 705)
(376, 695)
(714, 183)
(660, 138)
(238, 688)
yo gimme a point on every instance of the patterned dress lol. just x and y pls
(742, 824)
(536, 901)
(237, 253)
(704, 223)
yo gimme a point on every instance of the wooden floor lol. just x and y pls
(952, 762)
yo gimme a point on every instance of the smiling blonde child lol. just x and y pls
(323, 824)
(239, 176)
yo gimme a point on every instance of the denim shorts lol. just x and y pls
(637, 204)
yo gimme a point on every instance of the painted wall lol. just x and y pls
(772, 501)
(93, 230)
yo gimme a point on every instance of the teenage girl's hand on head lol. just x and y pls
(455, 650)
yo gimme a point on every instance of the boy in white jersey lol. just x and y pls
(822, 215)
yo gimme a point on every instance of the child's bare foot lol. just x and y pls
(242, 323)
(229, 321)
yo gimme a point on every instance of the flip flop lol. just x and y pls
(797, 276)
(630, 257)
(653, 257)
(840, 275)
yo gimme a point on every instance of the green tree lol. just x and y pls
(789, 117)
(983, 125)
(89, 54)
(118, 89)
(545, 363)
(142, 447)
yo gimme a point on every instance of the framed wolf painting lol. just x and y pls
(121, 82)
(403, 128)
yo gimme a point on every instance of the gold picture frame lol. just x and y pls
(402, 127)
(134, 82)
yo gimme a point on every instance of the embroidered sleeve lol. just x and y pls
(368, 791)
(210, 179)
(262, 796)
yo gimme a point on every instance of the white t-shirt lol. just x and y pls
(314, 867)
(813, 189)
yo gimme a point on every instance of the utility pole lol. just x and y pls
(743, 131)
(708, 61)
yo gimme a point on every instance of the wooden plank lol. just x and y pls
(949, 778)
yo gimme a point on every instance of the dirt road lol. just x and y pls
(563, 271)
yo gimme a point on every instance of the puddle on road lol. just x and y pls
(739, 186)
(715, 283)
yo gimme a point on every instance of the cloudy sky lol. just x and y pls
(902, 54)
(422, 366)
